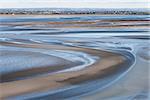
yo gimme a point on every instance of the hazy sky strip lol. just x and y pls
(74, 3)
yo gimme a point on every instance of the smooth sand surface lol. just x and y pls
(52, 33)
(134, 85)
(107, 65)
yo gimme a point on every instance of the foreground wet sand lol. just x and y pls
(107, 65)
(48, 56)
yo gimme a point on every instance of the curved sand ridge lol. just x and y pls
(110, 64)
(76, 68)
(28, 63)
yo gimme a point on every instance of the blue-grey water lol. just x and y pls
(57, 42)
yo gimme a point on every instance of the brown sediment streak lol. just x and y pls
(86, 24)
(74, 22)
(107, 65)
(8, 77)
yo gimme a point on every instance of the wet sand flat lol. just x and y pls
(51, 53)
(99, 69)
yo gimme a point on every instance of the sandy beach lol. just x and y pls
(99, 69)
(43, 57)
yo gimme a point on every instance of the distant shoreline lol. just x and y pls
(67, 14)
(70, 11)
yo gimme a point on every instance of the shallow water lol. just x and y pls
(39, 46)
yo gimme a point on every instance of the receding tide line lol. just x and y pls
(110, 65)
(93, 86)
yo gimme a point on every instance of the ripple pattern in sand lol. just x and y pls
(66, 56)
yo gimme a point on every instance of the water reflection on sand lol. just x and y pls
(85, 57)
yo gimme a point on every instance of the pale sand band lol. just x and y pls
(107, 65)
